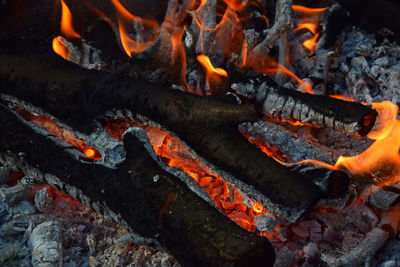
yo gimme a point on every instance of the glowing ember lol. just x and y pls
(173, 152)
(56, 130)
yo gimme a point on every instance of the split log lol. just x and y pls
(207, 124)
(320, 111)
(193, 231)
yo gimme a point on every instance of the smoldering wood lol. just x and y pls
(192, 230)
(320, 111)
(207, 124)
(293, 149)
(363, 252)
(283, 23)
(11, 195)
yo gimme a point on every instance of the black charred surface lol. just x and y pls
(209, 125)
(193, 231)
(344, 111)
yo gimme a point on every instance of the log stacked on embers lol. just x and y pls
(130, 182)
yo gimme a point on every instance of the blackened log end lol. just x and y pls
(338, 183)
(367, 122)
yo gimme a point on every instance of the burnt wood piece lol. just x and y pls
(320, 111)
(192, 230)
(288, 147)
(207, 124)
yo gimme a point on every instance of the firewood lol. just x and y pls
(289, 105)
(207, 124)
(192, 230)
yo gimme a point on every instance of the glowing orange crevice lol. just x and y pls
(63, 134)
(176, 154)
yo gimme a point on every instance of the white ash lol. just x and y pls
(46, 245)
(384, 199)
(13, 194)
(69, 236)
(363, 252)
(43, 202)
(371, 69)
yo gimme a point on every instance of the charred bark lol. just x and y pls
(193, 231)
(207, 124)
(320, 111)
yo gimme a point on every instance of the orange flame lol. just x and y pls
(343, 97)
(67, 28)
(312, 27)
(385, 150)
(56, 130)
(306, 11)
(176, 154)
(267, 65)
(59, 48)
(309, 21)
(382, 153)
(310, 44)
(206, 63)
(126, 20)
(214, 76)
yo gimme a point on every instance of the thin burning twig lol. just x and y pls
(283, 23)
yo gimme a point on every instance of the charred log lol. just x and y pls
(166, 210)
(207, 124)
(320, 111)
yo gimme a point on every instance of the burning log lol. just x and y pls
(286, 147)
(166, 209)
(207, 124)
(320, 111)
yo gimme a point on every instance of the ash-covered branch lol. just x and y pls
(283, 23)
(320, 111)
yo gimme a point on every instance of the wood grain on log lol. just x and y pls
(321, 111)
(193, 231)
